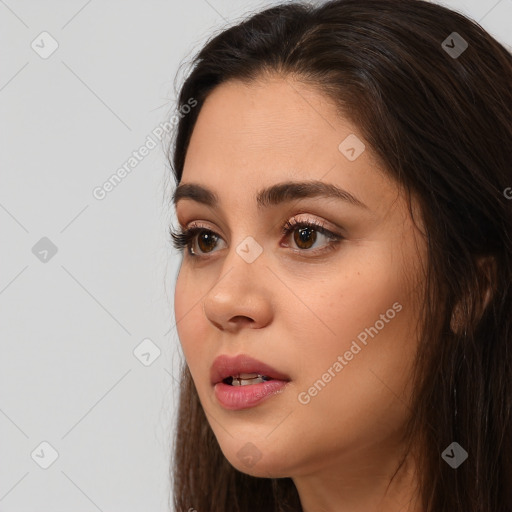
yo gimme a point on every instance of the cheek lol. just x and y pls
(368, 318)
(351, 297)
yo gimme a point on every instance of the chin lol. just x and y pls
(256, 458)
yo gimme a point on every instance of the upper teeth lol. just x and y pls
(245, 379)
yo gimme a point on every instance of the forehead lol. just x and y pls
(265, 119)
(248, 136)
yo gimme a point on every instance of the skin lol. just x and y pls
(298, 311)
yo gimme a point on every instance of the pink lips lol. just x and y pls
(243, 397)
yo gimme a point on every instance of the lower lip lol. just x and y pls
(244, 397)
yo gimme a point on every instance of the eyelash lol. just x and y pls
(183, 238)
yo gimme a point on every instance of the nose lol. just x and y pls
(241, 296)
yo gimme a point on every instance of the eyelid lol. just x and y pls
(295, 220)
(331, 228)
(197, 225)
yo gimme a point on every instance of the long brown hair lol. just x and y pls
(441, 124)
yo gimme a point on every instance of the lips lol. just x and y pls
(242, 365)
(242, 382)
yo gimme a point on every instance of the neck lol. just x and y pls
(361, 482)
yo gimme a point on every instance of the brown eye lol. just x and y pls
(305, 237)
(200, 240)
(206, 241)
(306, 234)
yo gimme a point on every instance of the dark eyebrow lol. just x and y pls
(274, 195)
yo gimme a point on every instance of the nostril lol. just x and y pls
(241, 319)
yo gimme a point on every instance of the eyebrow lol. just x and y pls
(271, 196)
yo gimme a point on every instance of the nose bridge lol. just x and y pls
(245, 250)
(242, 266)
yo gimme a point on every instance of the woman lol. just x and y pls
(344, 300)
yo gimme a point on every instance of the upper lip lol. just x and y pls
(228, 366)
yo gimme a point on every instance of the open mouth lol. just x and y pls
(241, 382)
(246, 379)
(242, 370)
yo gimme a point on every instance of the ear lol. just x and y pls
(487, 275)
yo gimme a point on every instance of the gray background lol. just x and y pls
(71, 321)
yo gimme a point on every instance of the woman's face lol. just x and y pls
(334, 315)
